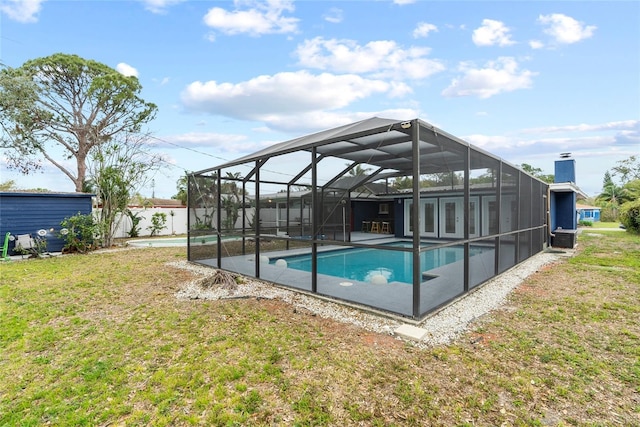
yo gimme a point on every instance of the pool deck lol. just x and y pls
(444, 283)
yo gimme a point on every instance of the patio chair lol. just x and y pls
(24, 242)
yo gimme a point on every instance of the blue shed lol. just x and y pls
(26, 213)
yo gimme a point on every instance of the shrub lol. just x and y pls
(80, 234)
(585, 223)
(135, 220)
(609, 214)
(158, 221)
(630, 216)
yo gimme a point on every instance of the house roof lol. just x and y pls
(566, 187)
(587, 207)
(154, 202)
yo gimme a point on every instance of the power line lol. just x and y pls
(212, 156)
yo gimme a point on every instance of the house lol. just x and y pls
(461, 217)
(588, 213)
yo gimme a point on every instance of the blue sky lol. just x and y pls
(523, 80)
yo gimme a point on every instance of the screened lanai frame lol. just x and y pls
(504, 210)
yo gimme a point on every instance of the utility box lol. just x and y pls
(564, 238)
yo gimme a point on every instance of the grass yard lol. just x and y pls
(600, 224)
(101, 339)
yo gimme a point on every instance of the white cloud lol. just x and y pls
(224, 142)
(260, 18)
(314, 121)
(284, 93)
(423, 29)
(334, 15)
(381, 59)
(610, 136)
(492, 33)
(564, 29)
(489, 142)
(126, 70)
(495, 77)
(596, 147)
(163, 81)
(159, 6)
(25, 11)
(403, 2)
(536, 44)
(507, 145)
(622, 125)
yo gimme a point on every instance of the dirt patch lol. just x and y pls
(485, 338)
(384, 341)
(528, 289)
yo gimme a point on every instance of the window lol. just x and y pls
(383, 209)
(430, 217)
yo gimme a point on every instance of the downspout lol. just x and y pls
(549, 213)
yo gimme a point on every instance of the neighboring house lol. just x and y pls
(588, 213)
(27, 213)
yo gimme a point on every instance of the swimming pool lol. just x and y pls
(364, 264)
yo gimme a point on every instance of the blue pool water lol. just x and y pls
(362, 264)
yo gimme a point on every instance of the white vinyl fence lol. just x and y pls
(176, 221)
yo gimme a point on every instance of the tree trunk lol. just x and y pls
(81, 159)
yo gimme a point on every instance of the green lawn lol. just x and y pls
(606, 224)
(101, 340)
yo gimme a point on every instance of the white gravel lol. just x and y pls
(441, 328)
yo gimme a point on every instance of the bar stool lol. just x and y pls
(385, 228)
(375, 227)
(366, 226)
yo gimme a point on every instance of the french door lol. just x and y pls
(428, 217)
(451, 217)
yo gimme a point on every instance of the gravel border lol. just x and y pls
(442, 327)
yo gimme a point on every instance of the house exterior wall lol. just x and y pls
(26, 213)
(565, 211)
(589, 215)
(398, 213)
(363, 211)
(376, 210)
